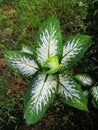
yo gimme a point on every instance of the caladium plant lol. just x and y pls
(47, 64)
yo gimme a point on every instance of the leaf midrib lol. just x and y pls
(68, 52)
(27, 64)
(41, 88)
(49, 49)
(64, 87)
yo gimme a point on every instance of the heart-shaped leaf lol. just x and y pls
(21, 62)
(71, 92)
(49, 41)
(39, 96)
(74, 48)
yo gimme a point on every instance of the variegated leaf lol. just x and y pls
(94, 94)
(27, 49)
(84, 79)
(74, 48)
(71, 93)
(49, 41)
(39, 96)
(21, 63)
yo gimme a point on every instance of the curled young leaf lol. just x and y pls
(52, 65)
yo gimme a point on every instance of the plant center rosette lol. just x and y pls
(52, 65)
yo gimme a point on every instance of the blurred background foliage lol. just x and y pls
(20, 19)
(19, 23)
